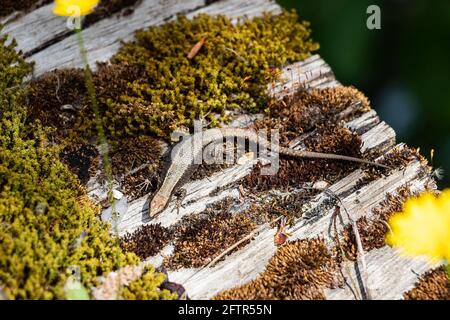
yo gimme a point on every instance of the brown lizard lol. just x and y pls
(183, 159)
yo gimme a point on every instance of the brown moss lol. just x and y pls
(134, 152)
(82, 160)
(433, 285)
(306, 110)
(58, 100)
(401, 157)
(316, 113)
(112, 80)
(299, 270)
(147, 241)
(373, 232)
(136, 162)
(398, 158)
(200, 239)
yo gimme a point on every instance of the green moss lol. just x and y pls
(47, 224)
(147, 287)
(230, 71)
(151, 87)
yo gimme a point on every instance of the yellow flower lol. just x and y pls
(70, 8)
(423, 228)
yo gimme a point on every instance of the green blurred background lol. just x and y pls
(404, 68)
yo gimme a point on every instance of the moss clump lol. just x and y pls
(199, 240)
(82, 160)
(136, 162)
(230, 71)
(58, 99)
(146, 241)
(299, 270)
(315, 114)
(134, 152)
(306, 110)
(433, 285)
(47, 225)
(147, 287)
(151, 87)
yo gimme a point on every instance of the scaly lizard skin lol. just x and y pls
(183, 158)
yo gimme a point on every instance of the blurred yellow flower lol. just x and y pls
(423, 228)
(70, 8)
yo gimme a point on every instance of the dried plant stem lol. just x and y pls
(102, 141)
(364, 273)
(337, 213)
(98, 120)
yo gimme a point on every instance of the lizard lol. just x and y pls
(187, 151)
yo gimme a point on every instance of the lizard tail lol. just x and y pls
(318, 155)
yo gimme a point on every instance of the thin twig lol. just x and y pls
(365, 274)
(58, 86)
(135, 170)
(337, 213)
(236, 54)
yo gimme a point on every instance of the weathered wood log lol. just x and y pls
(248, 262)
(51, 45)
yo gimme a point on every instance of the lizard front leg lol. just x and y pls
(180, 194)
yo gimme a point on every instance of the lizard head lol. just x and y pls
(157, 204)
